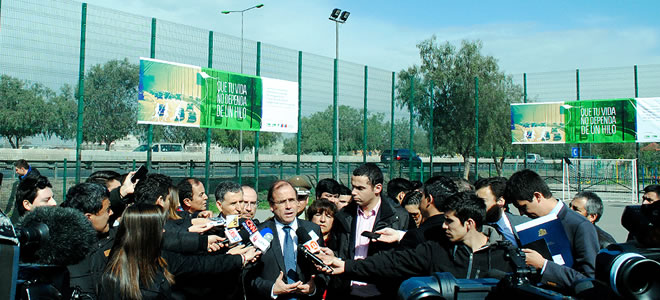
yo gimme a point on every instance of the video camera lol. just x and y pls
(495, 285)
(34, 256)
(629, 270)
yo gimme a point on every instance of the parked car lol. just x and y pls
(400, 155)
(533, 158)
(161, 147)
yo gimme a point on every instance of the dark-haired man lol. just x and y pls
(491, 190)
(470, 252)
(367, 212)
(397, 189)
(589, 205)
(24, 170)
(193, 198)
(531, 195)
(345, 197)
(228, 195)
(33, 192)
(651, 194)
(328, 188)
(435, 190)
(93, 200)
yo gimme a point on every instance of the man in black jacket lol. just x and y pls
(367, 212)
(473, 249)
(589, 205)
(92, 200)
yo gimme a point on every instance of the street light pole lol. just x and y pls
(337, 16)
(226, 12)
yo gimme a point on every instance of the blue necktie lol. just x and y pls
(289, 257)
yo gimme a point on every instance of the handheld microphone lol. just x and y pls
(70, 236)
(310, 247)
(262, 239)
(233, 236)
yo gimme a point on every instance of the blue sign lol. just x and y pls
(575, 152)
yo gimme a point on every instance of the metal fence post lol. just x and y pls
(64, 180)
(412, 129)
(191, 168)
(317, 170)
(365, 118)
(525, 101)
(299, 134)
(636, 143)
(431, 148)
(281, 169)
(256, 133)
(150, 127)
(577, 97)
(476, 129)
(392, 130)
(348, 173)
(207, 161)
(81, 91)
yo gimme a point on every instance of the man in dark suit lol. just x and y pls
(589, 205)
(282, 273)
(531, 195)
(491, 190)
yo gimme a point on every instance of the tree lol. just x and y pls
(63, 114)
(110, 111)
(452, 72)
(317, 132)
(23, 109)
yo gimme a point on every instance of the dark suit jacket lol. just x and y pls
(516, 220)
(431, 229)
(262, 276)
(604, 238)
(584, 247)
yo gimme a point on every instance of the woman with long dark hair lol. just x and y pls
(139, 269)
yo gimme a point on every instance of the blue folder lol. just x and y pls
(547, 228)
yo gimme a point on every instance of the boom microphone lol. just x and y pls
(310, 247)
(70, 236)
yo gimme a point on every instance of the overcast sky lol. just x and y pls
(525, 36)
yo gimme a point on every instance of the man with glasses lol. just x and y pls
(282, 273)
(302, 187)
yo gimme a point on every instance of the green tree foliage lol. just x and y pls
(30, 109)
(451, 72)
(317, 133)
(110, 111)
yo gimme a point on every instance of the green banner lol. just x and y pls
(184, 95)
(230, 101)
(587, 121)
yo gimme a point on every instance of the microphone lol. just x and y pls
(70, 236)
(262, 239)
(310, 247)
(233, 236)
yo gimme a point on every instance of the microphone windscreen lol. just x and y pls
(71, 235)
(267, 234)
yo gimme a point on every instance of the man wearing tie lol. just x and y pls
(282, 273)
(491, 191)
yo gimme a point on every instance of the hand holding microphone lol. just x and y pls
(310, 247)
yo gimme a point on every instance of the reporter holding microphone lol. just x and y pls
(139, 269)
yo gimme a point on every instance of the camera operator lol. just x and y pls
(472, 252)
(92, 200)
(531, 195)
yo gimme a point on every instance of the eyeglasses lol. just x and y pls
(282, 202)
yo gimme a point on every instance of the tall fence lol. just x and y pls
(56, 42)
